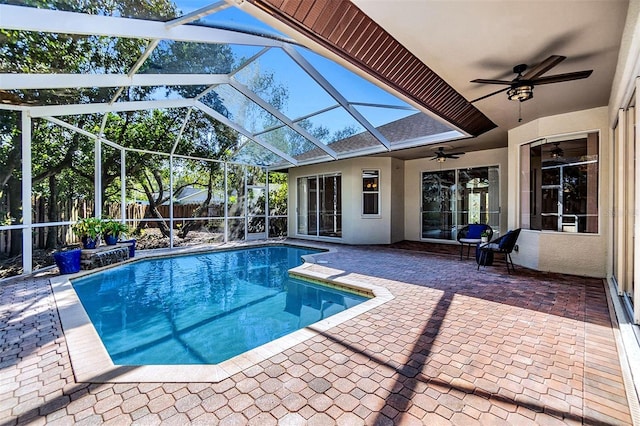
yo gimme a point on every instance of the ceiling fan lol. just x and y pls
(440, 156)
(521, 87)
(556, 152)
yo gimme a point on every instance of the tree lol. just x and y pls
(39, 52)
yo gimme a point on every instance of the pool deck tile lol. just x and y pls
(449, 345)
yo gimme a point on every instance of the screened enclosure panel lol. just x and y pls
(303, 94)
(288, 141)
(283, 83)
(353, 87)
(66, 194)
(250, 151)
(341, 125)
(62, 96)
(241, 109)
(41, 52)
(128, 9)
(236, 196)
(161, 86)
(232, 17)
(178, 57)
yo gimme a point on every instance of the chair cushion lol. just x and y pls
(470, 240)
(490, 246)
(475, 231)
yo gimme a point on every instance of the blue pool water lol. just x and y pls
(204, 308)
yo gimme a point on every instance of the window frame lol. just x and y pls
(454, 201)
(375, 192)
(318, 218)
(527, 194)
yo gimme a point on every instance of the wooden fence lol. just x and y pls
(70, 210)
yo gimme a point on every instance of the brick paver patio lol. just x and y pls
(455, 346)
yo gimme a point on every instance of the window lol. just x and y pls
(370, 192)
(455, 198)
(320, 205)
(559, 184)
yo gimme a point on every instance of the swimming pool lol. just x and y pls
(204, 308)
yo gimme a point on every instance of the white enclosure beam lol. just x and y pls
(245, 207)
(145, 55)
(386, 106)
(224, 120)
(184, 125)
(171, 201)
(197, 14)
(56, 21)
(27, 243)
(12, 81)
(97, 177)
(123, 186)
(78, 109)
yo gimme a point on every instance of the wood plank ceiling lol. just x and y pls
(344, 29)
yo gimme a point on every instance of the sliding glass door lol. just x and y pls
(319, 209)
(454, 198)
(438, 189)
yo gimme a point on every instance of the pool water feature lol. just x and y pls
(204, 308)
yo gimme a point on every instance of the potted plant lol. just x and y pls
(68, 260)
(484, 237)
(112, 229)
(88, 230)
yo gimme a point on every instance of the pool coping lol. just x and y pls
(91, 362)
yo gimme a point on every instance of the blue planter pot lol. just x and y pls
(132, 247)
(111, 240)
(68, 262)
(89, 243)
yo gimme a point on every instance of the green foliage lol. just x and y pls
(278, 193)
(114, 227)
(88, 227)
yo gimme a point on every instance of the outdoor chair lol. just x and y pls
(471, 235)
(503, 244)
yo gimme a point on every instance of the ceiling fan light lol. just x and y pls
(557, 152)
(441, 159)
(520, 93)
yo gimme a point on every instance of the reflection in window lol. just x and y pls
(437, 196)
(370, 192)
(455, 198)
(560, 185)
(320, 206)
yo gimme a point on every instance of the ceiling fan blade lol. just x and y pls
(490, 81)
(452, 157)
(455, 153)
(543, 67)
(558, 78)
(490, 94)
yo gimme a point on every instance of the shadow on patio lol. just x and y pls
(455, 346)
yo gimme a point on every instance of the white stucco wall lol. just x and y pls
(397, 200)
(570, 253)
(413, 179)
(356, 228)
